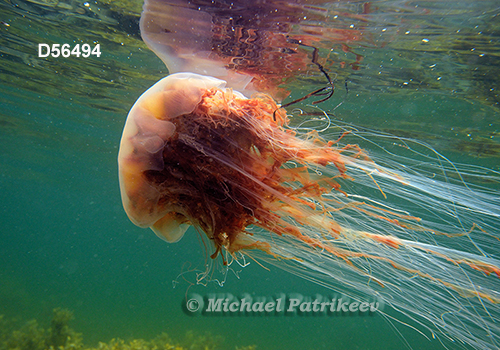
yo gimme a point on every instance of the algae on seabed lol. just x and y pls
(60, 336)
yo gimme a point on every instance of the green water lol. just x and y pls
(65, 239)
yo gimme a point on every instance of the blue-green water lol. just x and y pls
(65, 239)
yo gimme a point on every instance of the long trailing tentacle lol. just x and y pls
(328, 90)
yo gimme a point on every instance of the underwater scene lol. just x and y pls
(249, 174)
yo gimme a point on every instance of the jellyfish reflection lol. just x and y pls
(408, 230)
(254, 46)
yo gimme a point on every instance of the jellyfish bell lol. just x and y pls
(148, 127)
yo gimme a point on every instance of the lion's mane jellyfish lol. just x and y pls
(194, 152)
(399, 224)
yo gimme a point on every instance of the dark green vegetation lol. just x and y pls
(32, 336)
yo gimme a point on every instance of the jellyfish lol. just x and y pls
(195, 152)
(399, 222)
